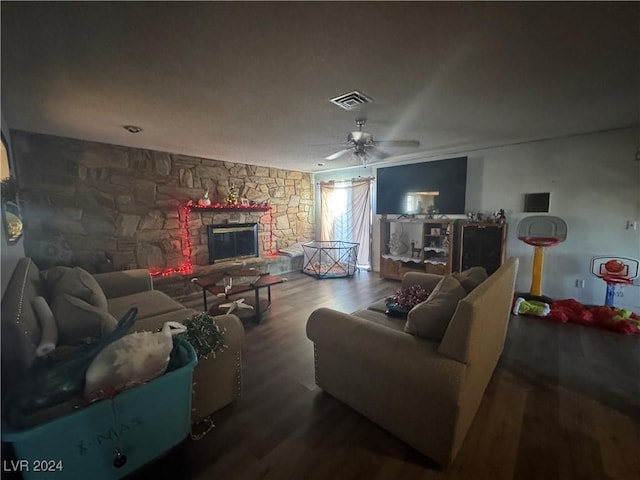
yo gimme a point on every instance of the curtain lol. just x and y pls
(345, 209)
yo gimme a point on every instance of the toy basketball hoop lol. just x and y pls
(541, 231)
(614, 271)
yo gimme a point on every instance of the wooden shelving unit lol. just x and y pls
(444, 246)
(438, 246)
(426, 246)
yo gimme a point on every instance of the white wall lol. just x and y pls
(594, 181)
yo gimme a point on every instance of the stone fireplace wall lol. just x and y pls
(82, 199)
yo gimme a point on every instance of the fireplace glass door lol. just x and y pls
(227, 241)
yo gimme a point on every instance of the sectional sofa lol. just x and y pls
(421, 378)
(84, 305)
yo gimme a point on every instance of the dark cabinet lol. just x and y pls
(482, 244)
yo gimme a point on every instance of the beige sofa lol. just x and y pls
(217, 381)
(424, 391)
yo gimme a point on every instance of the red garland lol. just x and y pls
(271, 252)
(229, 206)
(184, 213)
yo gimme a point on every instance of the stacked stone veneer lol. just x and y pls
(82, 198)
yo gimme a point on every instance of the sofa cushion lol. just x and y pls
(381, 319)
(379, 306)
(430, 318)
(52, 275)
(78, 283)
(77, 319)
(471, 278)
(149, 304)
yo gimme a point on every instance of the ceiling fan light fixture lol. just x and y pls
(363, 147)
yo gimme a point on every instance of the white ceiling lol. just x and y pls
(251, 82)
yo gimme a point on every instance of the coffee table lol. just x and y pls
(211, 283)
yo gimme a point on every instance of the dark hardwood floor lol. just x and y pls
(563, 404)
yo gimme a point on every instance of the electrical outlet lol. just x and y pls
(579, 283)
(632, 225)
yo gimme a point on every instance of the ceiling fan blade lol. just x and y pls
(333, 156)
(375, 152)
(397, 143)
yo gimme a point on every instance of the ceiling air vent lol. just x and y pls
(351, 100)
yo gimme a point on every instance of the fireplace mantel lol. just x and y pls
(228, 208)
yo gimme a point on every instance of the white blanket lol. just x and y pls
(294, 250)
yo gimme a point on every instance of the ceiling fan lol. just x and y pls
(363, 147)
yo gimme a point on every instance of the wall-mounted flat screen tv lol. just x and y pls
(416, 188)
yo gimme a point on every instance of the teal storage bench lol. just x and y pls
(111, 438)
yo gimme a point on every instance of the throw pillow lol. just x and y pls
(430, 318)
(79, 283)
(52, 276)
(48, 327)
(77, 319)
(471, 278)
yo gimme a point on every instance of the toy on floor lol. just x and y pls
(530, 307)
(618, 320)
(235, 304)
(540, 231)
(614, 271)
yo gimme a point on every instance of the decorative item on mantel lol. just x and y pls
(205, 201)
(255, 206)
(232, 196)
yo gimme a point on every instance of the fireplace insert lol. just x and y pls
(229, 241)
